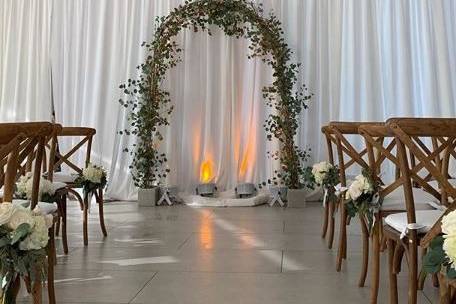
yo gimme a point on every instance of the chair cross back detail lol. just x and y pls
(409, 132)
(338, 132)
(87, 137)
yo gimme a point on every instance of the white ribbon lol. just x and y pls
(325, 197)
(437, 206)
(412, 226)
(340, 189)
(376, 207)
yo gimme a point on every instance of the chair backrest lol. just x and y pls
(411, 134)
(330, 143)
(31, 139)
(381, 150)
(9, 154)
(85, 136)
(348, 155)
(52, 148)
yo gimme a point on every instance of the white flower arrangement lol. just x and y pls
(24, 188)
(361, 185)
(320, 171)
(93, 173)
(93, 177)
(449, 235)
(362, 197)
(23, 239)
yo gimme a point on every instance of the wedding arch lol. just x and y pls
(150, 105)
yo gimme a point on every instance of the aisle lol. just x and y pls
(182, 255)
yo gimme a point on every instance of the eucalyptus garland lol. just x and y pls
(150, 105)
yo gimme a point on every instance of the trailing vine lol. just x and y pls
(150, 105)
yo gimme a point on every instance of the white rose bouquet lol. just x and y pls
(441, 254)
(362, 197)
(93, 177)
(325, 174)
(23, 239)
(24, 189)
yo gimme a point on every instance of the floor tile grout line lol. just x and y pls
(281, 264)
(144, 286)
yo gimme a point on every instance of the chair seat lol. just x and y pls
(425, 219)
(64, 177)
(396, 201)
(435, 184)
(58, 185)
(46, 208)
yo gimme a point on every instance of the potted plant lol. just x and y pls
(292, 181)
(150, 178)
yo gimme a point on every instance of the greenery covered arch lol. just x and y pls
(150, 105)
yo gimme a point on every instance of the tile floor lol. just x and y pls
(183, 255)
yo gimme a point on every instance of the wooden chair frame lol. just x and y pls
(27, 138)
(87, 138)
(339, 131)
(380, 152)
(408, 133)
(330, 208)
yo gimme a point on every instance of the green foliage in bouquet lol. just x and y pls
(436, 260)
(363, 197)
(13, 260)
(150, 105)
(23, 239)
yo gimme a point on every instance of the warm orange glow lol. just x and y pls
(249, 156)
(206, 171)
(206, 234)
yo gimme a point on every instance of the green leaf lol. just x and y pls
(20, 233)
(451, 272)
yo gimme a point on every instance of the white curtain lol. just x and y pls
(363, 60)
(25, 33)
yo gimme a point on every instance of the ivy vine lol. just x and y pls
(150, 106)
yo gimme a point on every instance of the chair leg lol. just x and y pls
(37, 292)
(341, 252)
(435, 280)
(398, 255)
(332, 223)
(101, 212)
(422, 275)
(85, 220)
(325, 222)
(365, 265)
(51, 263)
(57, 226)
(444, 290)
(392, 275)
(413, 270)
(64, 225)
(375, 263)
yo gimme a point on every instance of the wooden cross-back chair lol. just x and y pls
(406, 231)
(382, 150)
(349, 156)
(26, 141)
(330, 207)
(85, 136)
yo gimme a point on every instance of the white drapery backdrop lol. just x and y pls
(363, 60)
